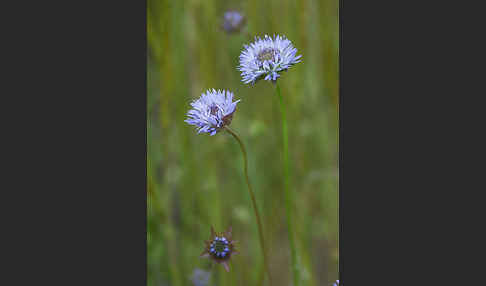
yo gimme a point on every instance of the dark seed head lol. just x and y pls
(220, 247)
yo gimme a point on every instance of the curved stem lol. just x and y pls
(288, 194)
(255, 208)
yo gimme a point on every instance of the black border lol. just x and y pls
(80, 144)
(385, 111)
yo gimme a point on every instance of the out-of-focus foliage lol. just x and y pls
(195, 181)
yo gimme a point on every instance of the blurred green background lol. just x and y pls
(195, 181)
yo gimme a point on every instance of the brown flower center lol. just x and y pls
(267, 54)
(214, 109)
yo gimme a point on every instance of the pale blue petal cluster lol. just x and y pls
(266, 58)
(336, 283)
(212, 111)
(233, 21)
(200, 277)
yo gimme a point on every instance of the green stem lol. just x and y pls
(288, 194)
(255, 208)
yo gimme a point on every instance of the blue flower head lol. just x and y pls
(212, 111)
(266, 58)
(233, 21)
(336, 283)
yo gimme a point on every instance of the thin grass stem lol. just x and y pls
(287, 193)
(253, 200)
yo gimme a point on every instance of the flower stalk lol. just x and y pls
(287, 193)
(253, 200)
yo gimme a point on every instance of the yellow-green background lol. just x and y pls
(195, 181)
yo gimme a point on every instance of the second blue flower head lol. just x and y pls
(212, 111)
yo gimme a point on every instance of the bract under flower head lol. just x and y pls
(212, 111)
(220, 247)
(266, 58)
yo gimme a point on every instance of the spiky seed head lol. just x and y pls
(220, 247)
